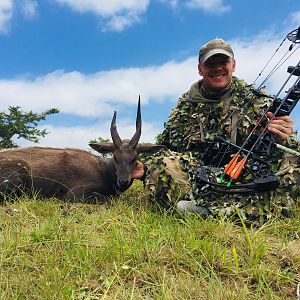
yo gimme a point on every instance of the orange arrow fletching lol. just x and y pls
(238, 169)
(231, 165)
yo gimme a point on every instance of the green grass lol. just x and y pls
(130, 250)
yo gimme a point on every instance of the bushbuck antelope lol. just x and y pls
(74, 174)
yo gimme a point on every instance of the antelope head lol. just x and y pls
(125, 152)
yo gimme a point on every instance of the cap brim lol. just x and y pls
(212, 52)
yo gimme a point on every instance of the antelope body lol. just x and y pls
(74, 174)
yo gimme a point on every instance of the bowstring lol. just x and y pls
(260, 73)
(271, 73)
(277, 109)
(278, 65)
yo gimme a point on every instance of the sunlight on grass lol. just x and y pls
(127, 249)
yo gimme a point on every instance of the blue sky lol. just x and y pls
(90, 57)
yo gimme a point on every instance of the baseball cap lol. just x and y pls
(215, 46)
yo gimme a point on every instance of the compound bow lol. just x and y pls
(255, 156)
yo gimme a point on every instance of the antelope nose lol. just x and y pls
(123, 184)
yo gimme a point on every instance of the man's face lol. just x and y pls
(217, 72)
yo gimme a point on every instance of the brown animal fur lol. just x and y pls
(73, 174)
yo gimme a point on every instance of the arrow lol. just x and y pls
(231, 165)
(238, 169)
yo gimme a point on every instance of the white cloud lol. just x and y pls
(100, 93)
(295, 18)
(252, 55)
(29, 8)
(172, 3)
(79, 136)
(6, 12)
(106, 8)
(120, 14)
(119, 23)
(211, 6)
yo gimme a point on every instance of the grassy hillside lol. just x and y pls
(129, 250)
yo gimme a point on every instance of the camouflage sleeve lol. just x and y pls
(174, 129)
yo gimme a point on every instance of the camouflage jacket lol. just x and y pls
(231, 114)
(198, 118)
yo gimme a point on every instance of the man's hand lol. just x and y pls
(281, 127)
(138, 172)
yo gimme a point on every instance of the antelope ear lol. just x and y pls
(148, 148)
(103, 147)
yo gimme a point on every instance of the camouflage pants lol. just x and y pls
(172, 178)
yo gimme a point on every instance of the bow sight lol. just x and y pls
(255, 156)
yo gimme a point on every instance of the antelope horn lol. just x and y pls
(135, 139)
(114, 133)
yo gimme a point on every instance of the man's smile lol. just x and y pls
(218, 76)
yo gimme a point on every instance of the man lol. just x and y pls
(217, 105)
(216, 66)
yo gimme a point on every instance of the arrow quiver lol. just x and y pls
(257, 154)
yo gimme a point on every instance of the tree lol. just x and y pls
(22, 125)
(99, 140)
